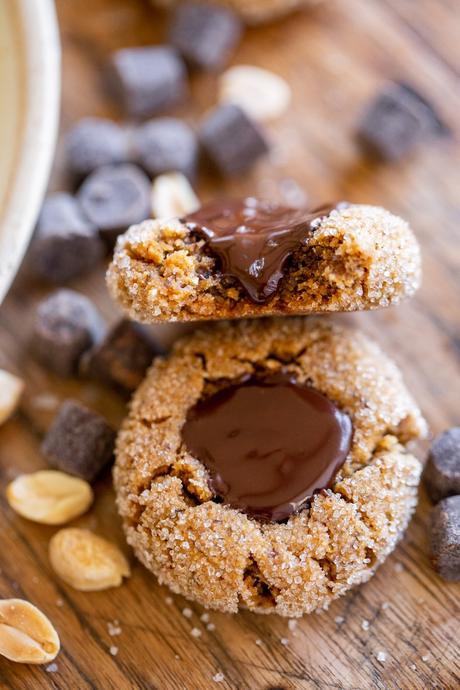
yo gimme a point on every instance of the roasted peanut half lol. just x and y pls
(87, 562)
(262, 94)
(173, 196)
(11, 388)
(49, 497)
(26, 634)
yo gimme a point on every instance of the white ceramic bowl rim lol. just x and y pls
(39, 66)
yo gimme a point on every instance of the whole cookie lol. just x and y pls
(241, 258)
(174, 507)
(252, 11)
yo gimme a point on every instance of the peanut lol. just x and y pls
(173, 196)
(11, 388)
(263, 95)
(87, 562)
(26, 634)
(49, 497)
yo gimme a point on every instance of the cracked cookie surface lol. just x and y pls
(356, 258)
(221, 557)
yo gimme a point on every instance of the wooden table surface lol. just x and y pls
(335, 58)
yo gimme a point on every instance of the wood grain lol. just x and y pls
(335, 58)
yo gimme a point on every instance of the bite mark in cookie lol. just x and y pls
(353, 258)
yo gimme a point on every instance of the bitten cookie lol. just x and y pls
(252, 11)
(240, 258)
(289, 522)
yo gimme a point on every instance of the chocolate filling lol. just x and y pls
(269, 444)
(253, 239)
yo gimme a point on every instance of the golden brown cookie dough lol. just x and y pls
(253, 11)
(221, 557)
(359, 257)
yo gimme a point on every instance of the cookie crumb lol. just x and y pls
(218, 678)
(381, 656)
(187, 613)
(51, 668)
(195, 632)
(113, 650)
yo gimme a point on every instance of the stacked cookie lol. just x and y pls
(264, 463)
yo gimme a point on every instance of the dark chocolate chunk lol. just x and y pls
(269, 444)
(94, 142)
(150, 79)
(205, 34)
(66, 244)
(396, 121)
(253, 239)
(122, 357)
(232, 140)
(166, 145)
(115, 197)
(66, 325)
(442, 471)
(445, 538)
(79, 441)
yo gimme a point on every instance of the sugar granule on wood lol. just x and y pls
(113, 628)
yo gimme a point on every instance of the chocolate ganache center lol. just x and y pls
(269, 444)
(253, 239)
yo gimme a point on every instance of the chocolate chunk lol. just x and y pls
(122, 357)
(115, 197)
(445, 538)
(206, 35)
(66, 325)
(253, 239)
(167, 145)
(269, 444)
(442, 471)
(397, 121)
(150, 79)
(94, 142)
(66, 244)
(232, 140)
(79, 441)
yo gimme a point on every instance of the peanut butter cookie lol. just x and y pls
(245, 258)
(264, 464)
